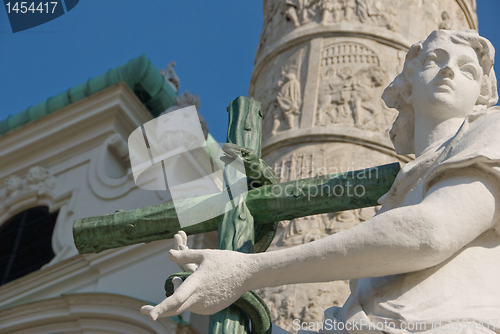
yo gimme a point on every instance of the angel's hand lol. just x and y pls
(221, 278)
(180, 239)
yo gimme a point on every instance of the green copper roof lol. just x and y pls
(139, 74)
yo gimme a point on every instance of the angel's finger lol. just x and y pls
(186, 256)
(191, 267)
(178, 241)
(176, 281)
(173, 305)
(166, 308)
(184, 237)
(158, 311)
(146, 309)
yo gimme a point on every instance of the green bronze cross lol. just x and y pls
(250, 226)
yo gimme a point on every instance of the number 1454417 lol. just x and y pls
(25, 7)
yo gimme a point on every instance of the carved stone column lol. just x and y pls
(320, 69)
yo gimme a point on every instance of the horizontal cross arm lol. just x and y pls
(267, 204)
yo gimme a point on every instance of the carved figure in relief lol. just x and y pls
(12, 184)
(446, 22)
(345, 97)
(362, 10)
(330, 9)
(289, 98)
(283, 16)
(281, 97)
(38, 177)
(349, 7)
(275, 113)
(336, 87)
(298, 11)
(376, 11)
(362, 93)
(437, 231)
(291, 12)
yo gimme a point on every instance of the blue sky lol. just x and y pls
(213, 43)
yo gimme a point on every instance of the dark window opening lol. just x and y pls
(26, 243)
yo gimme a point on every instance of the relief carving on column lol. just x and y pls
(377, 12)
(446, 21)
(282, 97)
(300, 12)
(438, 14)
(288, 99)
(349, 77)
(283, 16)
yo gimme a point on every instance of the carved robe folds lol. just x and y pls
(441, 294)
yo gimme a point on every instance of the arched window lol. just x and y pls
(26, 243)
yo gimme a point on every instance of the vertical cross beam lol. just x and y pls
(236, 229)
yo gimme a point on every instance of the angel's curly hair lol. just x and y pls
(396, 94)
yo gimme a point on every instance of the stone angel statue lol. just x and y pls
(430, 257)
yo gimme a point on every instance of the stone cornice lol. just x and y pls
(377, 141)
(70, 131)
(84, 312)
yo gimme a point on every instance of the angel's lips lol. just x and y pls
(445, 85)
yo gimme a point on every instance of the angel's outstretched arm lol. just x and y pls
(400, 240)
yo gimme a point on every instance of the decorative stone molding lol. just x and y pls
(39, 188)
(38, 179)
(34, 189)
(109, 173)
(83, 313)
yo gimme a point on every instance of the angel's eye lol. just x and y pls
(430, 60)
(469, 71)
